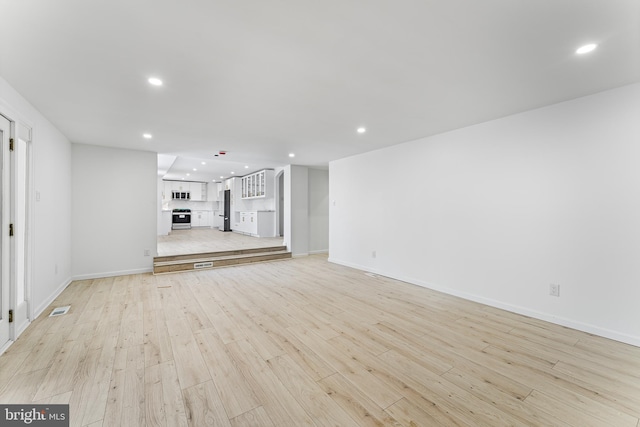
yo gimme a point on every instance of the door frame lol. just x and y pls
(21, 133)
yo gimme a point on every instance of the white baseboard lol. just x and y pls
(5, 347)
(547, 317)
(20, 328)
(112, 274)
(321, 251)
(43, 306)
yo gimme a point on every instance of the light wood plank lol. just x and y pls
(153, 397)
(234, 391)
(204, 407)
(304, 343)
(277, 401)
(355, 403)
(255, 417)
(323, 410)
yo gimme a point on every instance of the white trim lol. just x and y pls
(112, 274)
(300, 255)
(6, 347)
(20, 328)
(547, 317)
(43, 306)
(6, 109)
(321, 251)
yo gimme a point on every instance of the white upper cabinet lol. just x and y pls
(198, 191)
(213, 192)
(195, 191)
(259, 184)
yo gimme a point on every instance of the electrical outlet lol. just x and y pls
(147, 252)
(554, 290)
(373, 254)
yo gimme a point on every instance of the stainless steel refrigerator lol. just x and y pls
(227, 211)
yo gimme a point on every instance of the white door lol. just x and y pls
(5, 129)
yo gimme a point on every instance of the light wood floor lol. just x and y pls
(308, 343)
(200, 240)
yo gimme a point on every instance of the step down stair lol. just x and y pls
(202, 261)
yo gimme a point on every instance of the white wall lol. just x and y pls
(114, 211)
(296, 206)
(50, 260)
(498, 211)
(318, 210)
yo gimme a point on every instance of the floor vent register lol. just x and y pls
(59, 311)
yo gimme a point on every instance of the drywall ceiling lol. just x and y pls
(262, 79)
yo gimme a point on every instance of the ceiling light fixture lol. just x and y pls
(586, 48)
(195, 170)
(292, 155)
(147, 136)
(188, 174)
(221, 177)
(362, 130)
(232, 173)
(155, 81)
(246, 166)
(203, 163)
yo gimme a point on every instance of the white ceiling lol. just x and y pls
(261, 79)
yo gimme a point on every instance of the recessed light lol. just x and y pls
(195, 170)
(183, 179)
(292, 155)
(246, 167)
(221, 177)
(155, 81)
(147, 136)
(188, 174)
(203, 163)
(361, 130)
(586, 48)
(232, 173)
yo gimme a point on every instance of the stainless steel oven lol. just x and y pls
(181, 219)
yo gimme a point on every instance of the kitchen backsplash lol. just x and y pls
(242, 205)
(194, 206)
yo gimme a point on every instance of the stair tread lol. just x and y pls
(233, 252)
(218, 258)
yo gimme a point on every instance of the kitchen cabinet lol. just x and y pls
(198, 191)
(218, 219)
(165, 223)
(166, 192)
(213, 192)
(257, 224)
(201, 218)
(178, 186)
(259, 184)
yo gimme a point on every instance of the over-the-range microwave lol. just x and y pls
(180, 195)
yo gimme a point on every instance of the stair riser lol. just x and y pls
(189, 266)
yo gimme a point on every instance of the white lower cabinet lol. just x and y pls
(258, 224)
(201, 219)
